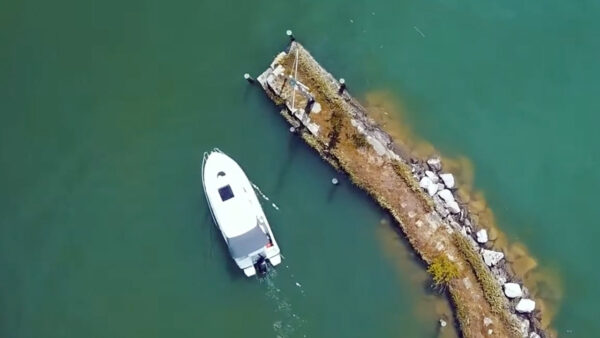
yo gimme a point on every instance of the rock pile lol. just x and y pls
(441, 186)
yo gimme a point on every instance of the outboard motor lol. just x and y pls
(261, 265)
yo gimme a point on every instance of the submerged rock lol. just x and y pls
(448, 180)
(435, 163)
(482, 236)
(512, 290)
(525, 305)
(491, 258)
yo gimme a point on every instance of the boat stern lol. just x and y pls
(250, 271)
(275, 260)
(258, 263)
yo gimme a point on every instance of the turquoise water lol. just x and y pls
(108, 106)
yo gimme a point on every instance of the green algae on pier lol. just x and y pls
(336, 131)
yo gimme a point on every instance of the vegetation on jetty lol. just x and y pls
(442, 270)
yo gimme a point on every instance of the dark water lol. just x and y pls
(108, 106)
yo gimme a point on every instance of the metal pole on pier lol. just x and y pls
(342, 86)
(290, 34)
(248, 78)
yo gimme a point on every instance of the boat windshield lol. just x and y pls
(226, 193)
(243, 245)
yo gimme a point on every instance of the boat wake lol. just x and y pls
(288, 322)
(265, 197)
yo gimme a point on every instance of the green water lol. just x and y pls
(108, 106)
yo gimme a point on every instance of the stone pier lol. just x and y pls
(417, 192)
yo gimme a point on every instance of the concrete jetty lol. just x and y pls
(417, 192)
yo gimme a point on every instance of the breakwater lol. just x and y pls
(419, 193)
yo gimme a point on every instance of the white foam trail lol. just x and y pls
(265, 197)
(419, 31)
(289, 322)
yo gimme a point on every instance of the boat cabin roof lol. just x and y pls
(231, 196)
(245, 244)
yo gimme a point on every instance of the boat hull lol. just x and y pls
(237, 213)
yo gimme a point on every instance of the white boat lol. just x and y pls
(238, 214)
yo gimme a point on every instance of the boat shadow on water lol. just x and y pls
(294, 145)
(433, 304)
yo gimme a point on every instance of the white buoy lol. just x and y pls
(292, 129)
(248, 78)
(342, 85)
(290, 34)
(334, 181)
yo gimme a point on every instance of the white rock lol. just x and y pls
(433, 176)
(435, 163)
(534, 335)
(491, 258)
(525, 305)
(432, 189)
(482, 236)
(487, 321)
(523, 327)
(448, 180)
(453, 207)
(428, 185)
(425, 182)
(379, 148)
(490, 331)
(316, 108)
(446, 195)
(440, 186)
(512, 290)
